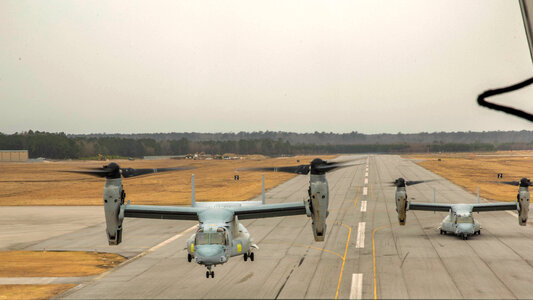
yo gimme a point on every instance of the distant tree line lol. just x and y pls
(348, 138)
(61, 146)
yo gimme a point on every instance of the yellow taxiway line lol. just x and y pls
(321, 249)
(374, 259)
(344, 258)
(356, 196)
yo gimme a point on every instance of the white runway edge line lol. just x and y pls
(154, 248)
(365, 191)
(356, 292)
(363, 206)
(360, 243)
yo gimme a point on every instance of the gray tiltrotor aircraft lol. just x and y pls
(460, 220)
(219, 235)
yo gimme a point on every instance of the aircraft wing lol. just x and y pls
(270, 210)
(429, 206)
(495, 206)
(162, 212)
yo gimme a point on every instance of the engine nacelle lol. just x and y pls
(523, 205)
(114, 197)
(317, 205)
(401, 205)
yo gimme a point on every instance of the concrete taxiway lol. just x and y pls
(366, 253)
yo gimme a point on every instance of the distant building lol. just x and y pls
(13, 155)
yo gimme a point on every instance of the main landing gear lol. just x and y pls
(248, 255)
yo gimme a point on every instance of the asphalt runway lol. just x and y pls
(366, 253)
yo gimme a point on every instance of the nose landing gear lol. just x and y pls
(209, 272)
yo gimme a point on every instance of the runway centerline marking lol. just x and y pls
(363, 206)
(366, 173)
(365, 191)
(360, 243)
(366, 180)
(343, 258)
(357, 286)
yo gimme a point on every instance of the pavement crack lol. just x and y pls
(284, 283)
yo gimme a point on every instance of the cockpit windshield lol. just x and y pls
(465, 219)
(210, 238)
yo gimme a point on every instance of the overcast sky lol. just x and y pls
(221, 66)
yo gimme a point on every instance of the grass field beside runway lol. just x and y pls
(470, 170)
(37, 264)
(56, 263)
(32, 291)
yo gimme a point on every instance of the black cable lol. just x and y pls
(506, 109)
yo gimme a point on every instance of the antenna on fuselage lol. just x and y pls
(193, 194)
(263, 193)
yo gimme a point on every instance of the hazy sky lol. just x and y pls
(218, 66)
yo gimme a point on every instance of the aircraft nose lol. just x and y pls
(465, 228)
(210, 254)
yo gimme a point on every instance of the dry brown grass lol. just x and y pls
(33, 291)
(43, 184)
(473, 170)
(56, 263)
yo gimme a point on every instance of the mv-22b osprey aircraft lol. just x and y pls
(219, 235)
(460, 220)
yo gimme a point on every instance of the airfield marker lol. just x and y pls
(360, 243)
(363, 206)
(357, 286)
(366, 180)
(365, 191)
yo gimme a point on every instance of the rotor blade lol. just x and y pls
(417, 181)
(301, 169)
(515, 183)
(97, 173)
(130, 172)
(331, 166)
(345, 161)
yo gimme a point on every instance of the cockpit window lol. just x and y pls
(202, 238)
(216, 238)
(465, 219)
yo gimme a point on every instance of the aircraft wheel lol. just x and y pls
(465, 237)
(441, 231)
(189, 257)
(212, 274)
(252, 256)
(206, 274)
(245, 256)
(478, 232)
